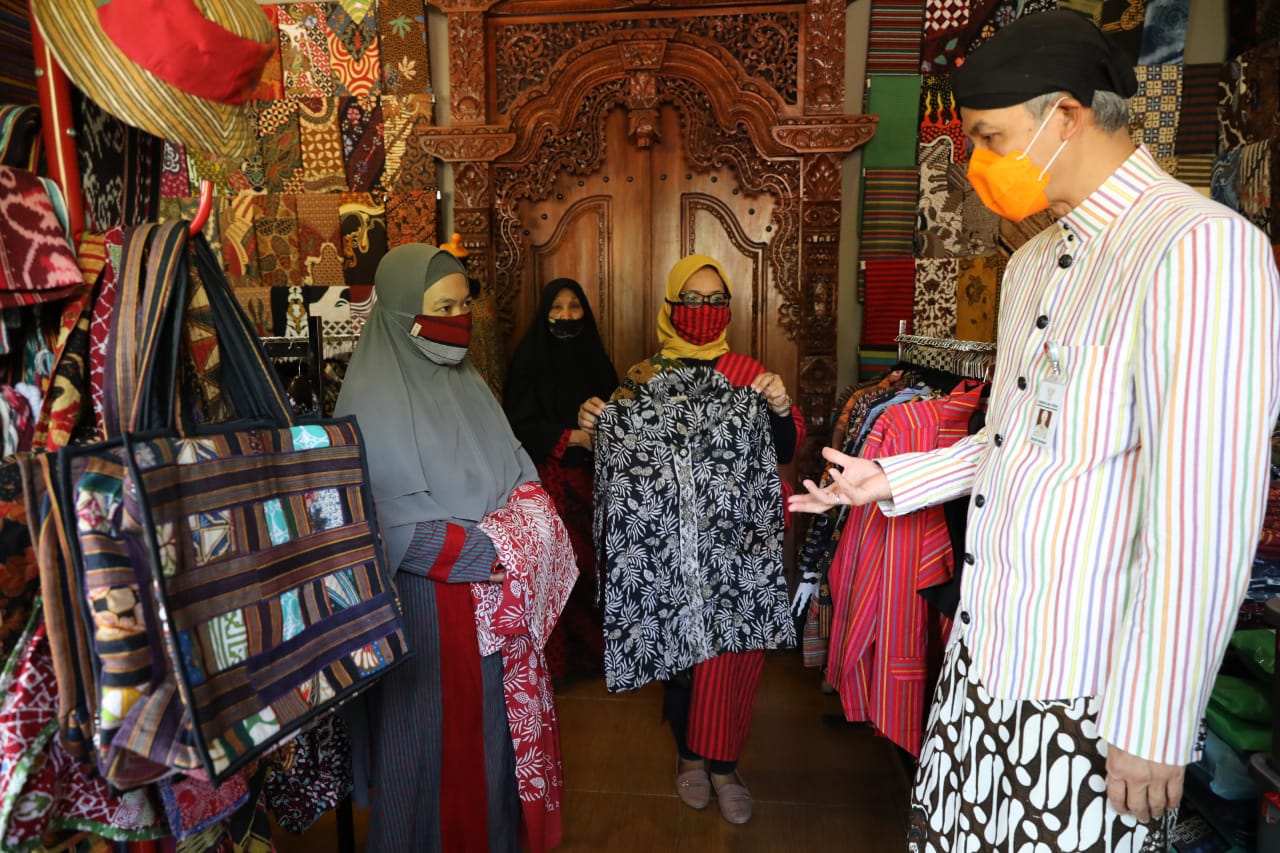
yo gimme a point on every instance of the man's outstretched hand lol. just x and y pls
(854, 481)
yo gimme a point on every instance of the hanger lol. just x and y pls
(202, 207)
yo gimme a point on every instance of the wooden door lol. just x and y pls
(620, 230)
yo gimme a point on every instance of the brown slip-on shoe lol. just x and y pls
(693, 787)
(735, 802)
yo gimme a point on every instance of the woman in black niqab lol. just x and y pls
(557, 365)
(550, 376)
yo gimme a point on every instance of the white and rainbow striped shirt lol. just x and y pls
(1112, 561)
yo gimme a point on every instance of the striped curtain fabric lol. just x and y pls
(893, 41)
(1198, 117)
(888, 212)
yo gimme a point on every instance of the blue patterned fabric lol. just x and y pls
(1164, 32)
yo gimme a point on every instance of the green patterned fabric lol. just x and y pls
(896, 100)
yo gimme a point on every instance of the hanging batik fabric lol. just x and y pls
(935, 303)
(402, 36)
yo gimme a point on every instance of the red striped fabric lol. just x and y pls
(724, 695)
(454, 331)
(700, 325)
(889, 285)
(454, 538)
(739, 369)
(880, 629)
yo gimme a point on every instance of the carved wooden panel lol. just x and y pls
(824, 57)
(466, 67)
(765, 44)
(603, 139)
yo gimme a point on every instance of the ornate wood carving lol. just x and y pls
(472, 206)
(809, 137)
(711, 145)
(821, 178)
(473, 143)
(471, 184)
(824, 56)
(819, 273)
(575, 148)
(466, 67)
(643, 55)
(765, 45)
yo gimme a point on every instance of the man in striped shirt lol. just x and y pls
(1109, 549)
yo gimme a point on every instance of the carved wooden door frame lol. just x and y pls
(760, 88)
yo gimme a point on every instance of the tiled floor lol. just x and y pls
(819, 783)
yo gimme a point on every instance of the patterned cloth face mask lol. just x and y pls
(699, 324)
(444, 340)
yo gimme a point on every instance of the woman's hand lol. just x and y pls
(580, 438)
(774, 392)
(854, 480)
(498, 575)
(589, 413)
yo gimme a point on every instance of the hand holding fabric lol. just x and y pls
(771, 387)
(580, 438)
(589, 413)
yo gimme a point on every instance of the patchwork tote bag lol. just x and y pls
(229, 577)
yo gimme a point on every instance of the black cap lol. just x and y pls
(1059, 51)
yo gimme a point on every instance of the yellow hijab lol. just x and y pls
(674, 346)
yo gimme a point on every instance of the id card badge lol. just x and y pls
(1048, 406)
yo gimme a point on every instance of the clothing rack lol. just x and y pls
(971, 359)
(311, 348)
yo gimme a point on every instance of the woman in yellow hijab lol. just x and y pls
(709, 707)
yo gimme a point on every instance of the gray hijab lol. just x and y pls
(438, 444)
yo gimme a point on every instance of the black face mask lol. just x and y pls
(566, 330)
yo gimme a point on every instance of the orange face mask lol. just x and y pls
(1011, 185)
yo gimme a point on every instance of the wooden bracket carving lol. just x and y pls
(455, 145)
(840, 135)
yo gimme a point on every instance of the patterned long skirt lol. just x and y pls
(1017, 776)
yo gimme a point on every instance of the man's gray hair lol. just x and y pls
(1110, 111)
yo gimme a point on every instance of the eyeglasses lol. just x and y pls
(697, 300)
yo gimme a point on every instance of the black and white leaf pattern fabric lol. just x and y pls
(689, 527)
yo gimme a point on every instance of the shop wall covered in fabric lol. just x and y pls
(335, 179)
(931, 253)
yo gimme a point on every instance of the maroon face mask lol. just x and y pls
(700, 325)
(444, 340)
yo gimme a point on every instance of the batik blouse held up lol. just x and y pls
(689, 527)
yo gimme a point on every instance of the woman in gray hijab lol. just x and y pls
(441, 457)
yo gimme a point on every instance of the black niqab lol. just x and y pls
(550, 378)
